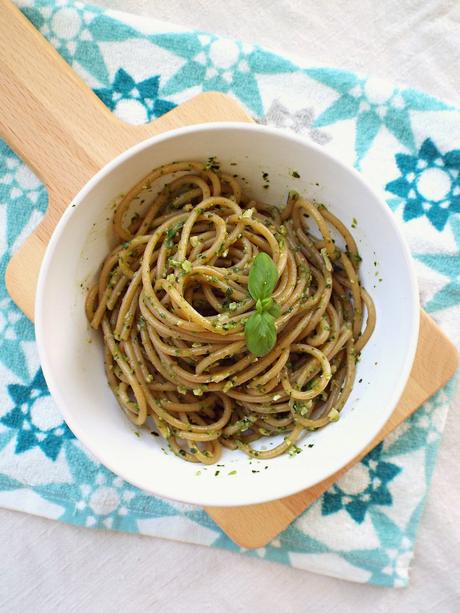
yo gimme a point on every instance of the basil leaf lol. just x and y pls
(260, 334)
(266, 304)
(262, 277)
(274, 309)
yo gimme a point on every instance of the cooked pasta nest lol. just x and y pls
(172, 300)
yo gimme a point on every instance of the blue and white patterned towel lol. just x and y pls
(403, 141)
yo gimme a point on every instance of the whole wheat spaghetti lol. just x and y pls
(172, 302)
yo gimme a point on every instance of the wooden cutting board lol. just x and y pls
(63, 131)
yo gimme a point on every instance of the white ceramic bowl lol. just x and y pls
(73, 366)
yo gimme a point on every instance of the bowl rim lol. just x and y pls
(171, 491)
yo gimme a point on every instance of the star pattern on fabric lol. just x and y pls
(423, 429)
(389, 563)
(28, 197)
(96, 498)
(35, 418)
(144, 94)
(429, 184)
(67, 26)
(220, 64)
(448, 265)
(92, 496)
(373, 104)
(300, 121)
(20, 186)
(368, 488)
(15, 329)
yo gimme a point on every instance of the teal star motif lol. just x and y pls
(389, 564)
(219, 64)
(145, 93)
(27, 201)
(380, 473)
(429, 184)
(32, 430)
(14, 327)
(97, 498)
(74, 30)
(374, 104)
(423, 428)
(24, 190)
(447, 264)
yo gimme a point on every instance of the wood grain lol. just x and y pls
(62, 130)
(65, 133)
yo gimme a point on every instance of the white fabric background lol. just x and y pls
(47, 566)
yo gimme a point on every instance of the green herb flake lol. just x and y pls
(212, 163)
(171, 233)
(232, 472)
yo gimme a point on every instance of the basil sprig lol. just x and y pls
(260, 329)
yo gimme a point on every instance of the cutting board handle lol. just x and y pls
(53, 121)
(62, 130)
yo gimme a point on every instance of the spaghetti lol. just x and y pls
(172, 302)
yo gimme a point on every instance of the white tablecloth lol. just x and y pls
(47, 566)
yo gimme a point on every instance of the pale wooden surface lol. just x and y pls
(65, 133)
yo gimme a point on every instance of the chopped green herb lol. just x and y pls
(171, 233)
(212, 164)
